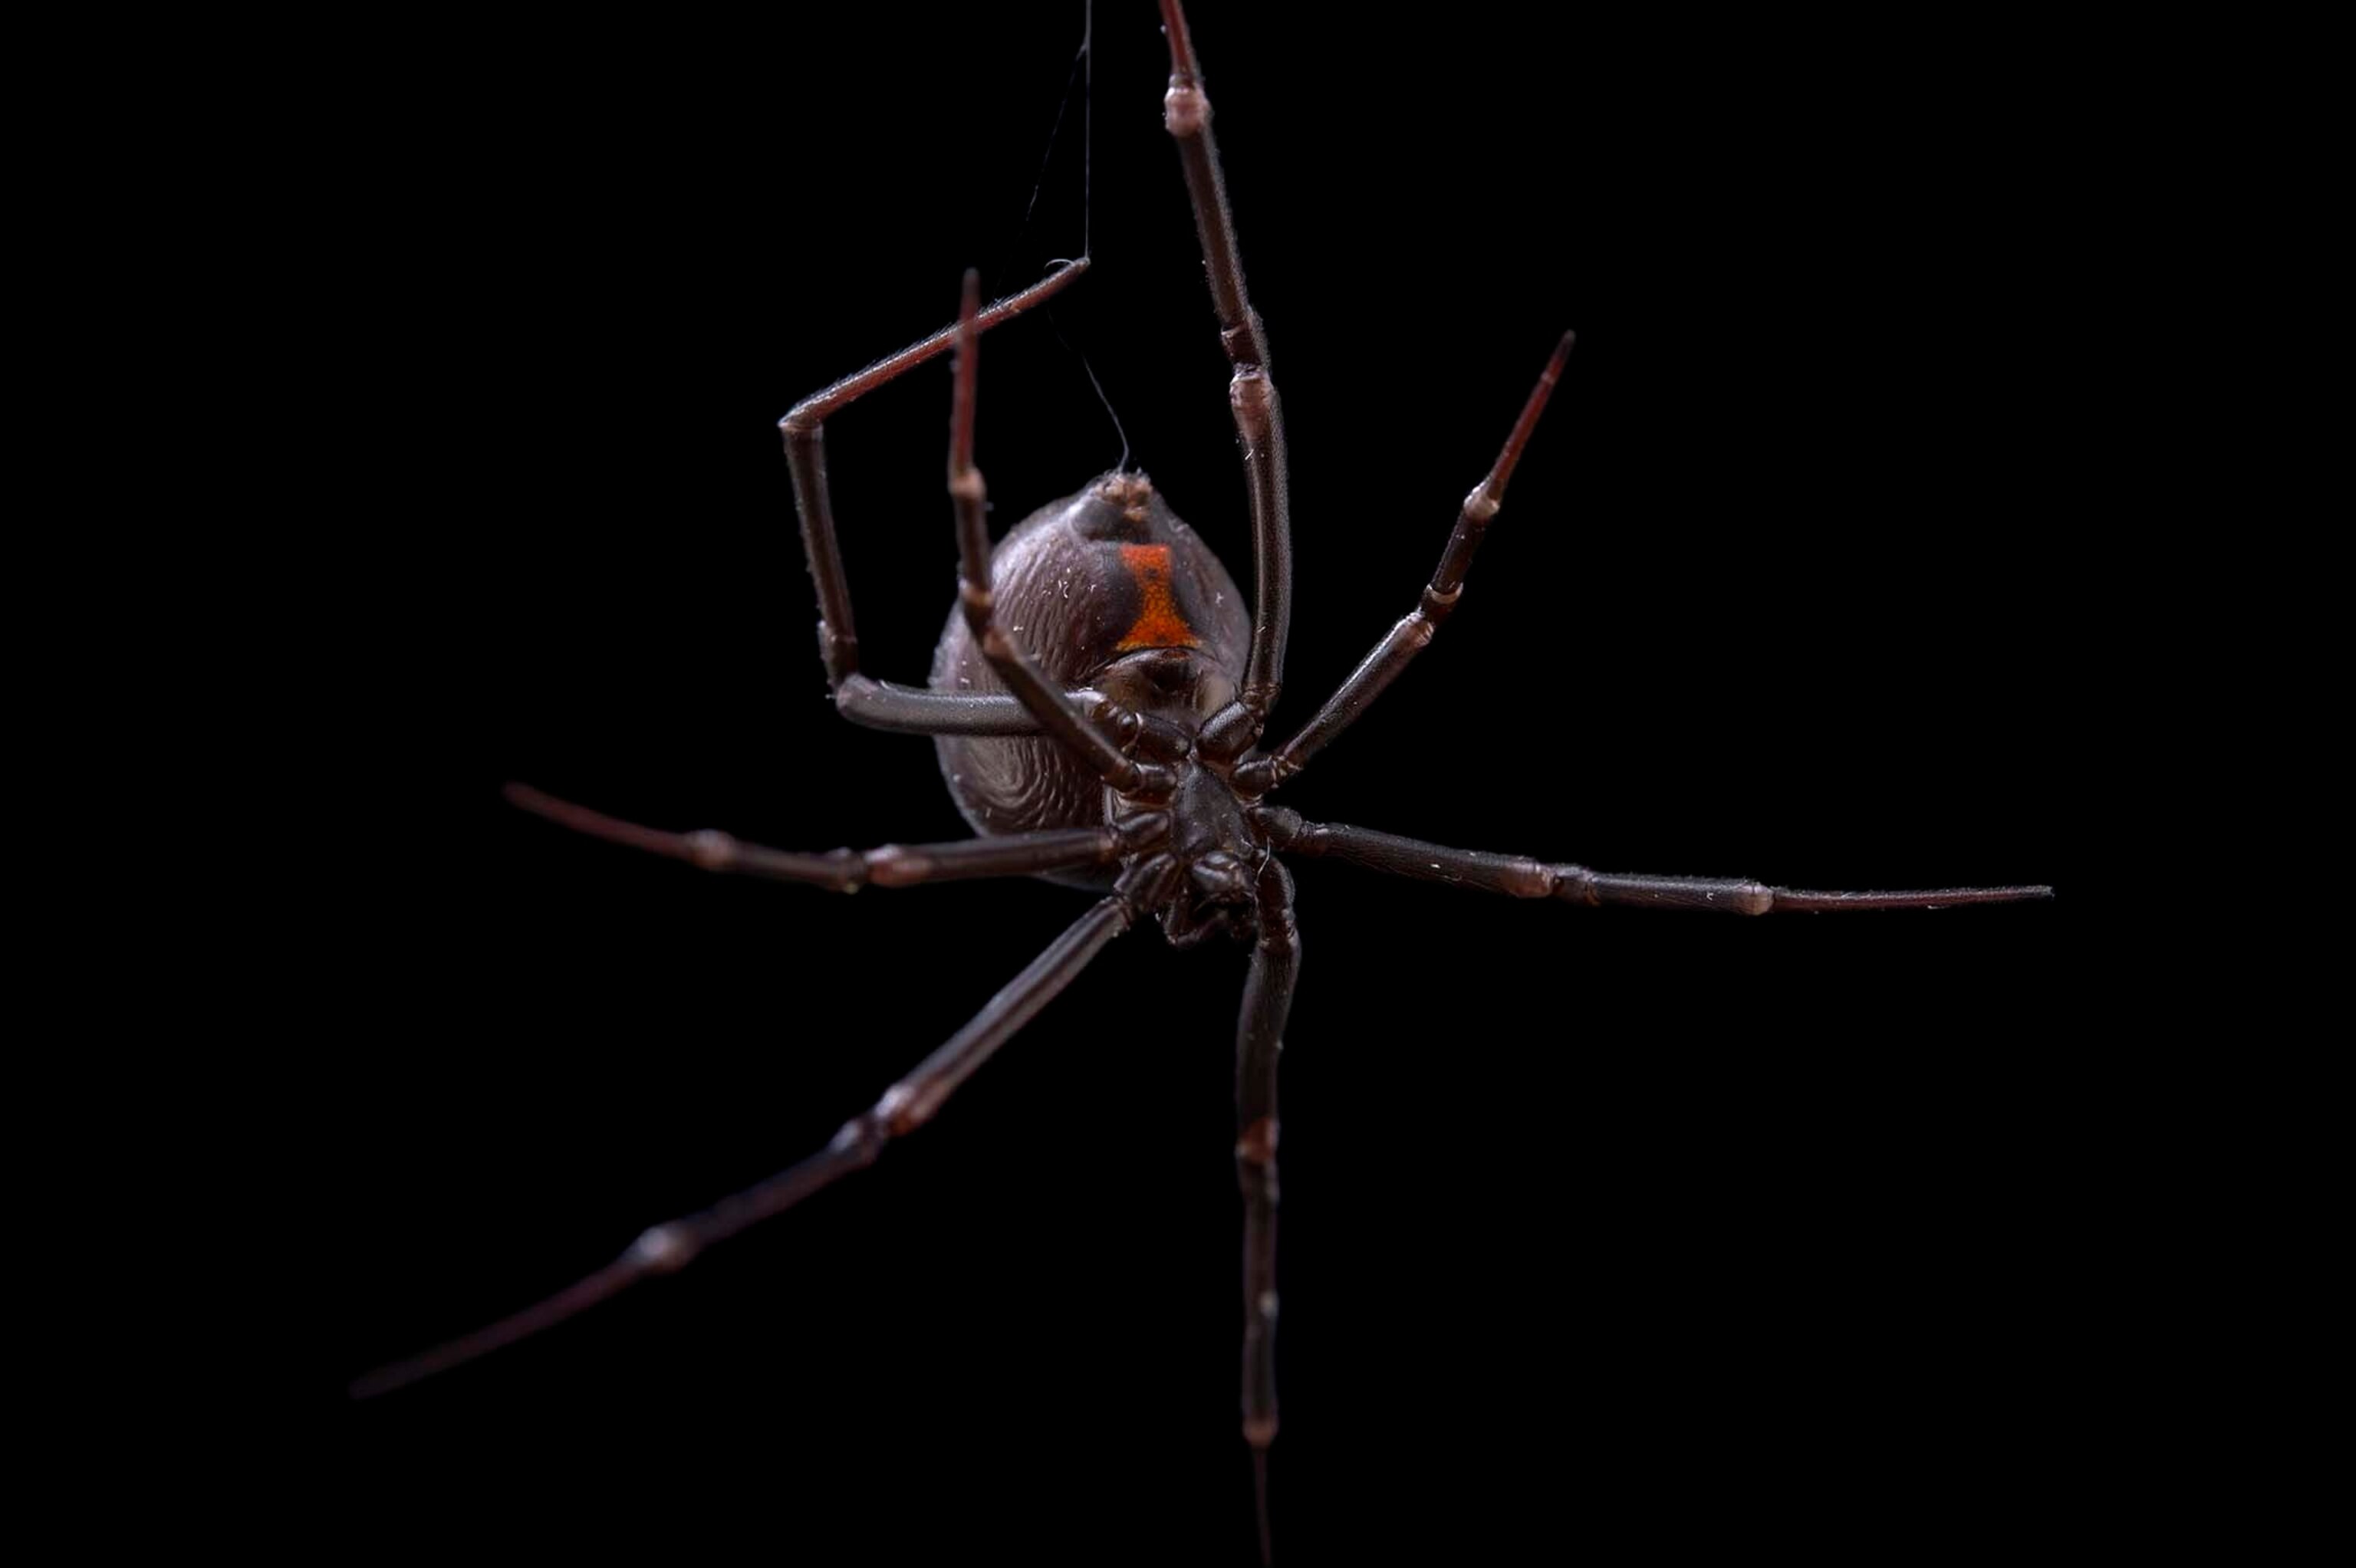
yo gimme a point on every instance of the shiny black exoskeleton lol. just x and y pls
(1116, 597)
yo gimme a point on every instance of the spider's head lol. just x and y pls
(1214, 895)
(1217, 856)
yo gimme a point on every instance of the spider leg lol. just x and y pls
(848, 871)
(1058, 713)
(913, 711)
(877, 704)
(1521, 876)
(1251, 394)
(1407, 639)
(906, 1105)
(1260, 1037)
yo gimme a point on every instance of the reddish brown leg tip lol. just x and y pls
(1259, 1504)
(563, 813)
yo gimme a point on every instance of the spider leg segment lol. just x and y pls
(848, 871)
(1260, 1037)
(906, 1105)
(1407, 639)
(1521, 876)
(1059, 714)
(1251, 394)
(885, 705)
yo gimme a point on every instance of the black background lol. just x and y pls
(1598, 1225)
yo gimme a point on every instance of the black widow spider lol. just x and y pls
(882, 1008)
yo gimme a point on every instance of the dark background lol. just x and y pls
(1598, 1225)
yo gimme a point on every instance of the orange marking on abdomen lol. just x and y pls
(1158, 624)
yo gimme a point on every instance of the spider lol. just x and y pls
(1602, 681)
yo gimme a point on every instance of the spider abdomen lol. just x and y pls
(1109, 590)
